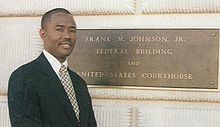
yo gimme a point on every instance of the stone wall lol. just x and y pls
(114, 107)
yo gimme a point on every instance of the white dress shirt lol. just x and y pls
(54, 62)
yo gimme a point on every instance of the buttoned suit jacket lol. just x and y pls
(37, 98)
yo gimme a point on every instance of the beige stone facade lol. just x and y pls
(20, 43)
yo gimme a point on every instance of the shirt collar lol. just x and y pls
(54, 62)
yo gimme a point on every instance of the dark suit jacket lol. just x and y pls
(37, 98)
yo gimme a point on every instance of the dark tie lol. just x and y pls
(68, 86)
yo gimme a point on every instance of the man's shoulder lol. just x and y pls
(30, 66)
(73, 73)
(75, 76)
(26, 69)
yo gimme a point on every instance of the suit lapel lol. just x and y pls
(79, 94)
(56, 87)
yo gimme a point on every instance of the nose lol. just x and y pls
(66, 34)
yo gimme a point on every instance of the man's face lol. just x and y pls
(59, 35)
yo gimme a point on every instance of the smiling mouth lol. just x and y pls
(66, 44)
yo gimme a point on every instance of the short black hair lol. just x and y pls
(46, 17)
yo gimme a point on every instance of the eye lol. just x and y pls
(73, 30)
(59, 29)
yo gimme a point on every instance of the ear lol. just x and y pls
(42, 33)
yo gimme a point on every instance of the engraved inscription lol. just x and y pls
(91, 74)
(166, 76)
(111, 51)
(154, 51)
(123, 75)
(172, 58)
(133, 63)
(148, 39)
(97, 39)
(179, 39)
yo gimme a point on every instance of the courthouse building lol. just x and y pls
(148, 63)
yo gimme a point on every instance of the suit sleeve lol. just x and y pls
(92, 120)
(24, 109)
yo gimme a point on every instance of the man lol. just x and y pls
(44, 92)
